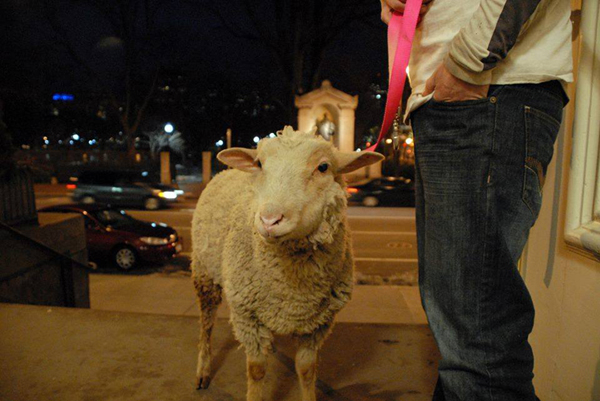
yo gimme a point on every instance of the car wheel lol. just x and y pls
(125, 258)
(152, 204)
(88, 199)
(370, 201)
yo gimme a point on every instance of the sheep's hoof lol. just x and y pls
(202, 383)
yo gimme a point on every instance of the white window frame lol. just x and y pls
(582, 225)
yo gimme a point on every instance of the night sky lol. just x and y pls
(204, 46)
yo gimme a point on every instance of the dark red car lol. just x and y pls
(114, 235)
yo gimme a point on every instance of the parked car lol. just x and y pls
(122, 188)
(384, 191)
(115, 236)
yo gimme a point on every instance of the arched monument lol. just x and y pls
(332, 112)
(326, 106)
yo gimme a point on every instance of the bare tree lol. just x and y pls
(131, 31)
(298, 33)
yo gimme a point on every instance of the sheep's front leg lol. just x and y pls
(306, 360)
(256, 372)
(306, 368)
(258, 343)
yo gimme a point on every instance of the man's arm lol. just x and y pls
(466, 71)
(488, 38)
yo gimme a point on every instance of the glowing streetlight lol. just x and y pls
(256, 139)
(219, 142)
(169, 128)
(75, 137)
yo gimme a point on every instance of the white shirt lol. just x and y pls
(494, 42)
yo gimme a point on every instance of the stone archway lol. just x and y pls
(339, 107)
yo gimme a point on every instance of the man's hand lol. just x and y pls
(389, 6)
(447, 88)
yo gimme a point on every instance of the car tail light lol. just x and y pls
(71, 186)
(352, 190)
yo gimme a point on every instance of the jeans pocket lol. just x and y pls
(532, 191)
(541, 130)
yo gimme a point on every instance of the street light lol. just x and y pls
(219, 142)
(169, 128)
(256, 139)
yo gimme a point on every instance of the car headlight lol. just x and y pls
(155, 240)
(167, 194)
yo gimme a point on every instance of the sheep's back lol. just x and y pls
(212, 220)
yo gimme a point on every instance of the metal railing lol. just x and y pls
(17, 200)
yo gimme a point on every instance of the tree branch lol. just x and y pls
(147, 98)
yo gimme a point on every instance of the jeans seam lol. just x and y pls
(488, 195)
(527, 110)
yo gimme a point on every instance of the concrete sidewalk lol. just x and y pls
(62, 354)
(173, 294)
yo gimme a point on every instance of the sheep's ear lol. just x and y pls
(240, 158)
(348, 162)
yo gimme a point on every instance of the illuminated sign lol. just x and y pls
(63, 96)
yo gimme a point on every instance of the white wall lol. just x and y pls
(565, 286)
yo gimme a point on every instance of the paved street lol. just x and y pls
(384, 239)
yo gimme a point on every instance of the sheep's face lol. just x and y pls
(297, 183)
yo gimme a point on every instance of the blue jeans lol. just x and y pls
(480, 168)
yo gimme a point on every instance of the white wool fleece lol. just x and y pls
(294, 286)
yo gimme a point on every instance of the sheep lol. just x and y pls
(272, 234)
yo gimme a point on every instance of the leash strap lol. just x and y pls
(401, 32)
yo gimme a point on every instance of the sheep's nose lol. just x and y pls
(269, 220)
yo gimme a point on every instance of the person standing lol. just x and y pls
(486, 108)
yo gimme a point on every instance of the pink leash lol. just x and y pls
(401, 31)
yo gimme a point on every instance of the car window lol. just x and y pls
(89, 223)
(98, 178)
(113, 218)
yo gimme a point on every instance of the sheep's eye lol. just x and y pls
(259, 164)
(323, 167)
